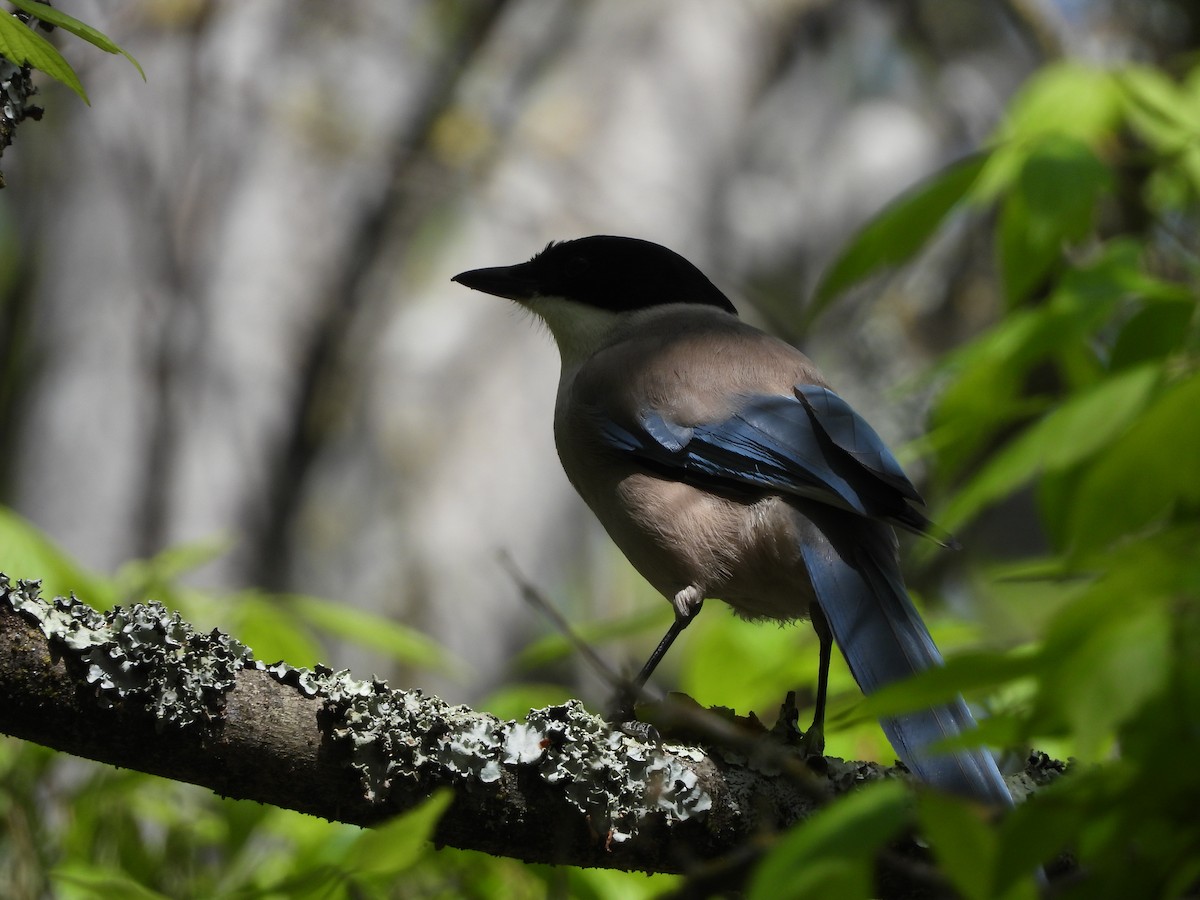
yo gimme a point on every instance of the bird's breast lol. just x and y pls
(744, 551)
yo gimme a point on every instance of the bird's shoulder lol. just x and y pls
(690, 365)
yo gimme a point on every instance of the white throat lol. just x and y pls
(579, 330)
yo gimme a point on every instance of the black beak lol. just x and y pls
(510, 282)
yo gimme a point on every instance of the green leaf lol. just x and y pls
(1144, 474)
(843, 878)
(757, 663)
(964, 673)
(992, 366)
(965, 847)
(996, 365)
(1036, 832)
(403, 644)
(514, 701)
(840, 839)
(1153, 333)
(1071, 433)
(24, 46)
(899, 231)
(1070, 98)
(1159, 110)
(1110, 651)
(1121, 661)
(26, 552)
(53, 16)
(158, 577)
(78, 878)
(389, 849)
(270, 629)
(1051, 204)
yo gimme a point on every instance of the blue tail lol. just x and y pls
(858, 585)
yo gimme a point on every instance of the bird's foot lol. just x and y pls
(688, 602)
(621, 707)
(622, 715)
(812, 742)
(643, 731)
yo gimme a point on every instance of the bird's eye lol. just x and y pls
(577, 266)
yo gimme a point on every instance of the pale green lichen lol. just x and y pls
(147, 654)
(613, 779)
(143, 652)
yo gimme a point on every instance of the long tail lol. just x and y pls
(884, 640)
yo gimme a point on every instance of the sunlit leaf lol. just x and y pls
(155, 578)
(1071, 433)
(24, 46)
(760, 662)
(987, 389)
(1110, 650)
(992, 366)
(26, 552)
(1159, 109)
(1118, 665)
(1070, 98)
(1144, 473)
(78, 878)
(271, 630)
(598, 884)
(53, 16)
(514, 701)
(367, 629)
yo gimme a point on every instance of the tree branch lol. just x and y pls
(138, 687)
(16, 89)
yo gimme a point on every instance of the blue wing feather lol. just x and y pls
(884, 640)
(850, 432)
(810, 445)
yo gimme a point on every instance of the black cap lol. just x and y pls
(620, 274)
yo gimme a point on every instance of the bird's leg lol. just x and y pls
(813, 741)
(687, 604)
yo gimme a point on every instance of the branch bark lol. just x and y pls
(16, 89)
(140, 688)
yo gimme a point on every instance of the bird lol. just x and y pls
(723, 466)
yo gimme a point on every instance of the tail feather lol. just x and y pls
(883, 639)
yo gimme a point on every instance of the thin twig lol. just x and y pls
(531, 595)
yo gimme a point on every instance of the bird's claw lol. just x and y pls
(812, 742)
(643, 731)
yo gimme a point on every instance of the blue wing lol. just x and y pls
(811, 445)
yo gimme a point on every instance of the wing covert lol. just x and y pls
(810, 445)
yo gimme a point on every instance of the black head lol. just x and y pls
(619, 274)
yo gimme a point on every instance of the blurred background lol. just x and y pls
(228, 320)
(234, 371)
(227, 317)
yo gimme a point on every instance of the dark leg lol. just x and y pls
(627, 695)
(814, 738)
